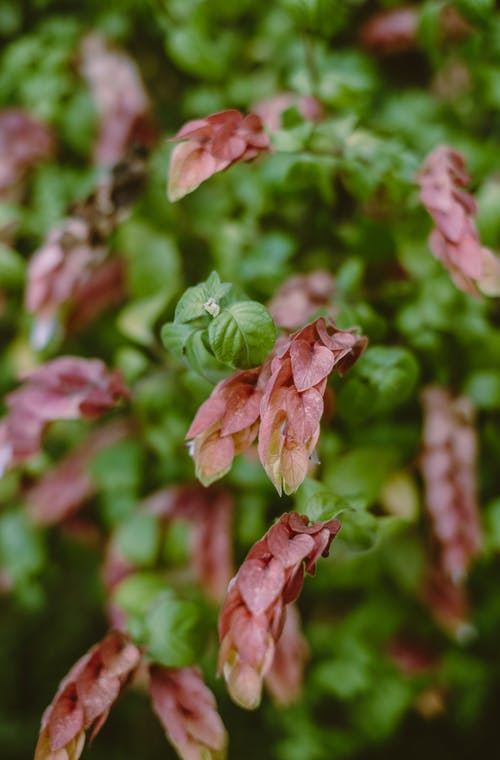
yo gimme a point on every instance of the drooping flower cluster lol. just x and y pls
(292, 405)
(65, 388)
(281, 402)
(120, 97)
(85, 697)
(184, 705)
(300, 297)
(66, 487)
(188, 712)
(23, 143)
(449, 470)
(391, 31)
(212, 145)
(225, 424)
(209, 514)
(253, 615)
(396, 30)
(455, 241)
(271, 110)
(448, 466)
(70, 272)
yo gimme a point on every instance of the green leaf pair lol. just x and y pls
(216, 327)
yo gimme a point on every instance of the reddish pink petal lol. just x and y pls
(242, 409)
(193, 129)
(293, 586)
(190, 165)
(250, 636)
(209, 413)
(230, 117)
(294, 463)
(260, 583)
(304, 412)
(66, 718)
(469, 256)
(309, 364)
(96, 689)
(289, 549)
(213, 457)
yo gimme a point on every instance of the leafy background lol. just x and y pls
(341, 197)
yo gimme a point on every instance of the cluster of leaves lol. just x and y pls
(216, 327)
(339, 195)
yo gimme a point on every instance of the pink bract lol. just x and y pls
(212, 145)
(280, 402)
(64, 388)
(455, 240)
(271, 109)
(120, 97)
(24, 142)
(85, 697)
(252, 618)
(188, 712)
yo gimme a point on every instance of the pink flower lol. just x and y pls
(253, 615)
(225, 425)
(120, 97)
(64, 388)
(54, 273)
(300, 297)
(212, 145)
(71, 265)
(284, 679)
(85, 697)
(455, 240)
(188, 712)
(292, 405)
(448, 464)
(282, 402)
(391, 31)
(65, 488)
(395, 30)
(271, 110)
(23, 143)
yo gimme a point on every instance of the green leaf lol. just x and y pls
(154, 264)
(242, 335)
(137, 319)
(361, 473)
(483, 388)
(345, 679)
(202, 360)
(138, 539)
(383, 378)
(21, 549)
(174, 337)
(360, 529)
(12, 266)
(136, 593)
(173, 632)
(324, 505)
(192, 306)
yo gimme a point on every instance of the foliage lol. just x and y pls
(336, 191)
